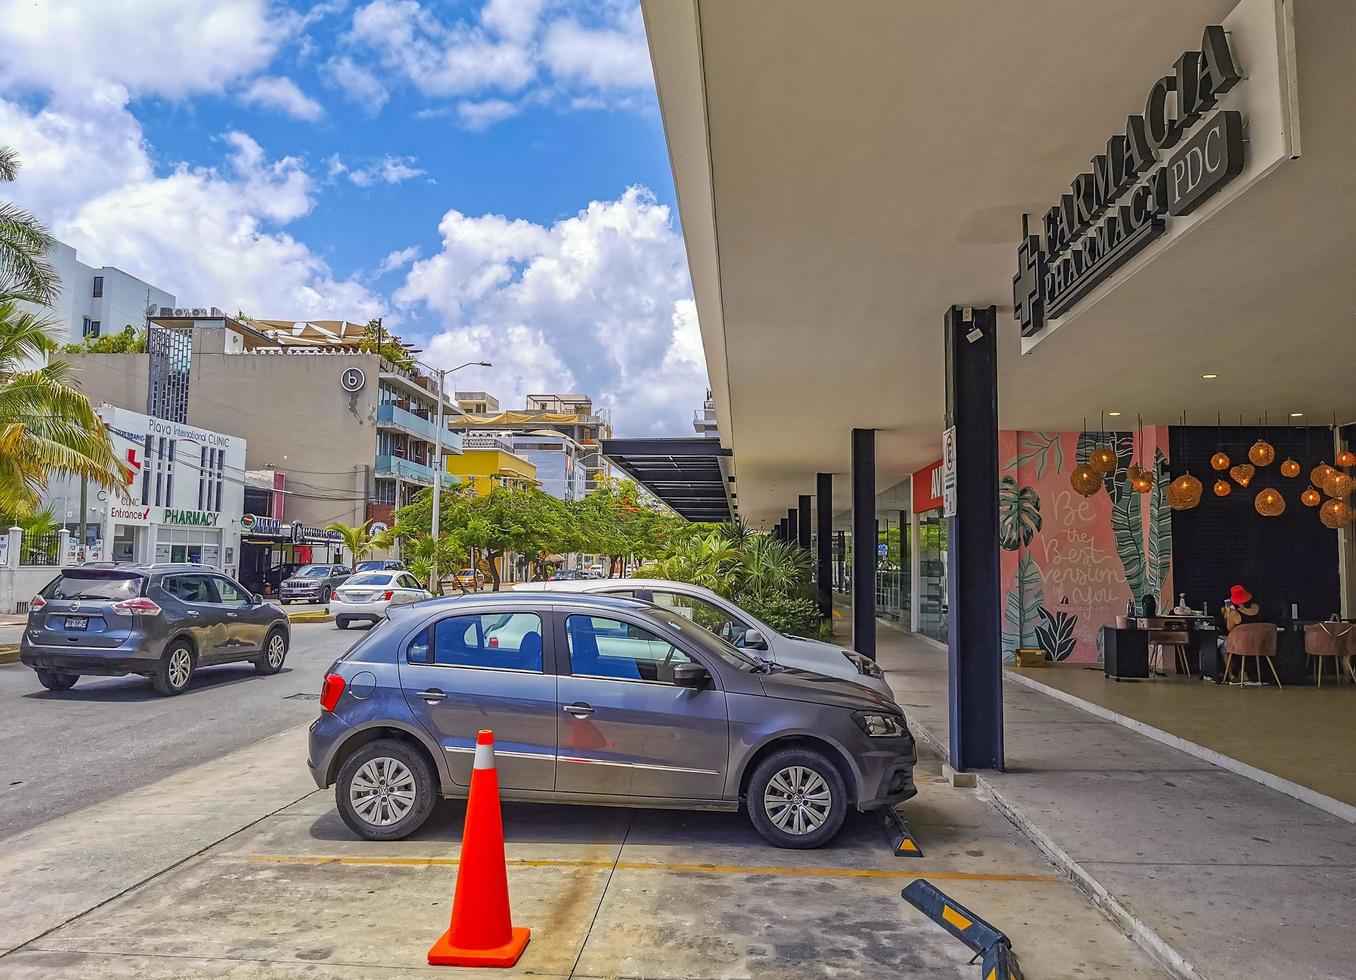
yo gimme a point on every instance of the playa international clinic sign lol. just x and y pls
(1164, 165)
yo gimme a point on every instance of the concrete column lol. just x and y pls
(16, 541)
(974, 650)
(864, 542)
(915, 569)
(823, 546)
(792, 526)
(63, 545)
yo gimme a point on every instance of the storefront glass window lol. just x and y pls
(932, 608)
(892, 553)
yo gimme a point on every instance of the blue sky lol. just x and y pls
(490, 176)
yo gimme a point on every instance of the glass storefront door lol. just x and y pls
(932, 608)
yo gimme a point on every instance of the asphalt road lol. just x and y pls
(105, 736)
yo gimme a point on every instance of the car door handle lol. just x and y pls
(579, 709)
(233, 615)
(194, 612)
(432, 696)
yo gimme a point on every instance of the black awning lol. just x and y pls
(693, 475)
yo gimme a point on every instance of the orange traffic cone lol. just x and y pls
(482, 932)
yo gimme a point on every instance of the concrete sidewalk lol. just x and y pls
(1216, 874)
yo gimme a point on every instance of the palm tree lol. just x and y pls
(47, 427)
(25, 273)
(357, 539)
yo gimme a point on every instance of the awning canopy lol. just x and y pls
(692, 475)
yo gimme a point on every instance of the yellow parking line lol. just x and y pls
(423, 862)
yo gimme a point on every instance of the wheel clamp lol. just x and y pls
(901, 839)
(990, 946)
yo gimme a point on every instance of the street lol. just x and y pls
(106, 736)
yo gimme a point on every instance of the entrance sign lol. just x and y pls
(949, 472)
(1166, 169)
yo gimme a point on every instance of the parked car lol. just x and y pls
(600, 700)
(469, 580)
(367, 595)
(312, 583)
(379, 565)
(737, 626)
(161, 621)
(565, 575)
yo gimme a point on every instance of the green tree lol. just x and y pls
(25, 273)
(128, 340)
(360, 541)
(377, 339)
(47, 427)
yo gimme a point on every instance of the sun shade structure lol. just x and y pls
(694, 475)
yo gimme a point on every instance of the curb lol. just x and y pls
(1147, 938)
(9, 654)
(310, 617)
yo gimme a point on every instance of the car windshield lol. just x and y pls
(112, 587)
(709, 642)
(313, 571)
(370, 578)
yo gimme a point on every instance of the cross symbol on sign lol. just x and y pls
(1028, 287)
(133, 466)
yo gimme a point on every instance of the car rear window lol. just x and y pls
(114, 587)
(370, 578)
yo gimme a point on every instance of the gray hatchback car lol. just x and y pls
(597, 700)
(162, 621)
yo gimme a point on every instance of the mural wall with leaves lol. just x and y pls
(1070, 564)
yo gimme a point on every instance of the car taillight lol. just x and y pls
(37, 603)
(387, 596)
(140, 606)
(331, 691)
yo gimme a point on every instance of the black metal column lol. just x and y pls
(864, 542)
(792, 534)
(781, 529)
(823, 535)
(974, 649)
(841, 553)
(803, 528)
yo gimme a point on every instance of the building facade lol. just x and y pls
(571, 415)
(98, 300)
(489, 461)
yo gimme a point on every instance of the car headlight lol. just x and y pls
(865, 665)
(881, 725)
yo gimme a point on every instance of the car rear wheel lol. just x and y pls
(797, 798)
(275, 652)
(385, 790)
(57, 680)
(341, 622)
(175, 669)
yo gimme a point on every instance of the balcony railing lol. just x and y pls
(394, 415)
(394, 467)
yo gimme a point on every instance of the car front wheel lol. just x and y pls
(275, 652)
(324, 596)
(385, 790)
(797, 798)
(57, 680)
(341, 622)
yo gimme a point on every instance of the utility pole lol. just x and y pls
(437, 482)
(84, 502)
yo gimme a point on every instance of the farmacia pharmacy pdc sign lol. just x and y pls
(1123, 202)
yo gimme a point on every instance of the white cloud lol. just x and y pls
(283, 95)
(356, 82)
(482, 115)
(398, 259)
(515, 20)
(390, 169)
(604, 58)
(610, 281)
(171, 48)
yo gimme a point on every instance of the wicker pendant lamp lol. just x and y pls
(1223, 488)
(1335, 514)
(1269, 503)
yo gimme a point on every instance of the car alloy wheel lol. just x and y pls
(277, 649)
(180, 667)
(382, 791)
(797, 800)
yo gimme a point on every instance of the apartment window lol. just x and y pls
(89, 328)
(98, 287)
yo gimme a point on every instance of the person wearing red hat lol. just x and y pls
(1240, 608)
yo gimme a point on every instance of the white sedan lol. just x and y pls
(368, 595)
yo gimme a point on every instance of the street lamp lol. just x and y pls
(442, 374)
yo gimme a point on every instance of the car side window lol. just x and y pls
(705, 614)
(191, 588)
(408, 582)
(506, 641)
(230, 593)
(602, 647)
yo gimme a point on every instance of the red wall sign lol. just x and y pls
(927, 488)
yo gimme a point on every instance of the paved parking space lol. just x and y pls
(607, 893)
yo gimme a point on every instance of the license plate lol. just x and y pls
(77, 622)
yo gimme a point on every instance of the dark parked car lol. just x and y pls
(601, 700)
(161, 621)
(312, 583)
(380, 565)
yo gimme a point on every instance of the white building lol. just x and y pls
(95, 301)
(184, 501)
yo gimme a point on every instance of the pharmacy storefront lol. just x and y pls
(185, 497)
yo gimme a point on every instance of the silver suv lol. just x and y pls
(163, 621)
(602, 700)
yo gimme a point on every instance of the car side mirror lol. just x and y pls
(694, 676)
(753, 640)
(257, 599)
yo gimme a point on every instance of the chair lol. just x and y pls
(1323, 640)
(1160, 638)
(1251, 640)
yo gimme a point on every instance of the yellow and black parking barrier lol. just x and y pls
(897, 833)
(991, 947)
